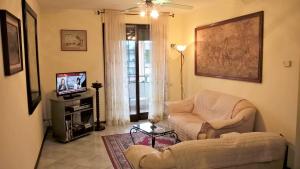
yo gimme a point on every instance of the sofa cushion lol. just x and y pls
(187, 125)
(211, 105)
(203, 102)
(223, 108)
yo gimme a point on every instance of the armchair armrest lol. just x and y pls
(242, 122)
(182, 106)
(147, 157)
(219, 124)
(243, 115)
(136, 153)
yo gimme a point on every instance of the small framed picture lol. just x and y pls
(73, 40)
(11, 43)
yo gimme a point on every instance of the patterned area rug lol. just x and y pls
(118, 143)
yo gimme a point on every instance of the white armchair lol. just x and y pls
(210, 114)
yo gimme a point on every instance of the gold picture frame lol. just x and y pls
(73, 40)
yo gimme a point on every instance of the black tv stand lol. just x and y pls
(71, 96)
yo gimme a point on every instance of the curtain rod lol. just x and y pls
(98, 12)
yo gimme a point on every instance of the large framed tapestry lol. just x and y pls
(231, 49)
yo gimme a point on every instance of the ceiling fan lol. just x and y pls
(151, 7)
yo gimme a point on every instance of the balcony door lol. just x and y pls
(138, 47)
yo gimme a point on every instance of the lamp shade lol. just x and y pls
(180, 48)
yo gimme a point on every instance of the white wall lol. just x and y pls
(175, 36)
(276, 97)
(53, 60)
(21, 133)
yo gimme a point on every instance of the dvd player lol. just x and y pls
(78, 107)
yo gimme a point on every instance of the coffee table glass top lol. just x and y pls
(148, 127)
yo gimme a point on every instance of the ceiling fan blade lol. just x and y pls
(180, 6)
(130, 9)
(160, 2)
(142, 2)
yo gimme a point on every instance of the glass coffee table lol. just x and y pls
(153, 131)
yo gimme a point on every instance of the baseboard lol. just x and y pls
(41, 149)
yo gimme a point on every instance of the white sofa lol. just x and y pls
(209, 114)
(231, 151)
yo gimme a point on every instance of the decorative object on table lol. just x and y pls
(153, 121)
(96, 85)
(231, 49)
(31, 56)
(11, 43)
(73, 40)
(180, 49)
(116, 144)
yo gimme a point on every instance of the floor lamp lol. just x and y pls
(180, 49)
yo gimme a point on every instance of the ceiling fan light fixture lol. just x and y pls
(149, 7)
(143, 13)
(154, 14)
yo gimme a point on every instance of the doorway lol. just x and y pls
(138, 46)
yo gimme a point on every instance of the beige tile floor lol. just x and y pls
(85, 153)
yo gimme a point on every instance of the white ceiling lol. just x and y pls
(108, 4)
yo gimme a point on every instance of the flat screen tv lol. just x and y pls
(70, 83)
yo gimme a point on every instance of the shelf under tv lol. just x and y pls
(69, 124)
(71, 96)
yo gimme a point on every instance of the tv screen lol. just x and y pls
(70, 83)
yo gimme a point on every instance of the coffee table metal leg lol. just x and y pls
(131, 135)
(176, 137)
(153, 141)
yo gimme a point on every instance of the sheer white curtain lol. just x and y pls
(158, 34)
(116, 80)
